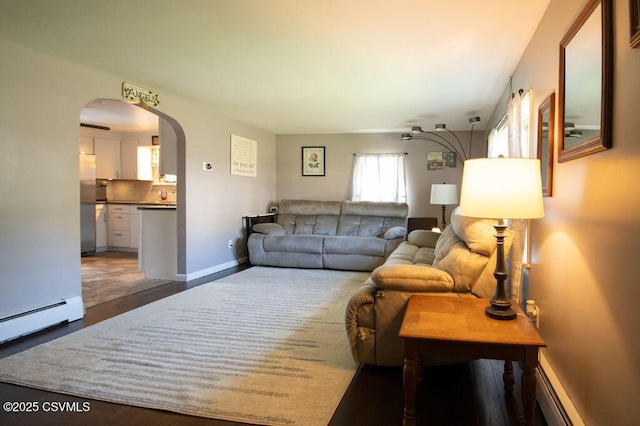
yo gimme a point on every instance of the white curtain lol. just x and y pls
(518, 111)
(379, 177)
(514, 122)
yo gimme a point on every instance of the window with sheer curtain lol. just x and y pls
(511, 137)
(379, 177)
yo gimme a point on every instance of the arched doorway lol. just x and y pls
(115, 133)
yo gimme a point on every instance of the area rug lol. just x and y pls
(263, 346)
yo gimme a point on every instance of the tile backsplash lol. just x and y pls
(138, 191)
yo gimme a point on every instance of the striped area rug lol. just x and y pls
(263, 346)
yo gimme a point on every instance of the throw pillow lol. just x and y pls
(394, 233)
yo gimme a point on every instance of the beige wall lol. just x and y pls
(39, 179)
(585, 250)
(336, 185)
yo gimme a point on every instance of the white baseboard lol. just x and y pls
(40, 318)
(554, 402)
(204, 272)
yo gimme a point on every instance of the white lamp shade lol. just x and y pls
(444, 193)
(502, 188)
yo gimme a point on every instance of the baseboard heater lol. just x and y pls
(554, 402)
(40, 318)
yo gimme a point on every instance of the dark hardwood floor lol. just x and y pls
(464, 394)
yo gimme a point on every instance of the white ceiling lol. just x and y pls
(296, 66)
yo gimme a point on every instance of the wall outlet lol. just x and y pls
(207, 166)
(230, 243)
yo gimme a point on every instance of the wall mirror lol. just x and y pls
(585, 87)
(546, 129)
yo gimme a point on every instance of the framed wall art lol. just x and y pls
(440, 160)
(313, 161)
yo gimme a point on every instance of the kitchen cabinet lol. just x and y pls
(123, 226)
(107, 153)
(147, 163)
(129, 159)
(118, 225)
(86, 144)
(101, 227)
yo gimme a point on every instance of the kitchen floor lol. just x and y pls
(110, 275)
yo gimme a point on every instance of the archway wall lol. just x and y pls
(39, 178)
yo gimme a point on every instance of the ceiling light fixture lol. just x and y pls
(454, 146)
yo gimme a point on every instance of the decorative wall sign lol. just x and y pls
(440, 160)
(313, 161)
(135, 93)
(244, 156)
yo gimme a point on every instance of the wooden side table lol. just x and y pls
(458, 326)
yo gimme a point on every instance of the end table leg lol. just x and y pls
(507, 377)
(529, 385)
(410, 381)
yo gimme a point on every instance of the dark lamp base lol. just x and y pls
(500, 314)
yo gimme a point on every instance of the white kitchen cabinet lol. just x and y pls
(147, 163)
(129, 159)
(107, 153)
(118, 225)
(101, 227)
(86, 144)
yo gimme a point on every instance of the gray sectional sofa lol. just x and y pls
(345, 235)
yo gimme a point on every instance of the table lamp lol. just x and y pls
(443, 193)
(501, 188)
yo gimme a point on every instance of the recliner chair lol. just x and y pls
(457, 263)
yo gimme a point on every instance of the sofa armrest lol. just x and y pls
(416, 278)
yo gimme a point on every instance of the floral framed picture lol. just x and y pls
(313, 161)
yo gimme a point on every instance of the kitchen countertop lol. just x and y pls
(147, 203)
(157, 207)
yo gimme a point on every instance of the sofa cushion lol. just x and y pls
(371, 208)
(294, 244)
(423, 238)
(308, 207)
(355, 245)
(269, 228)
(410, 254)
(366, 226)
(478, 234)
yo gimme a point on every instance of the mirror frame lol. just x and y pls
(548, 106)
(603, 141)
